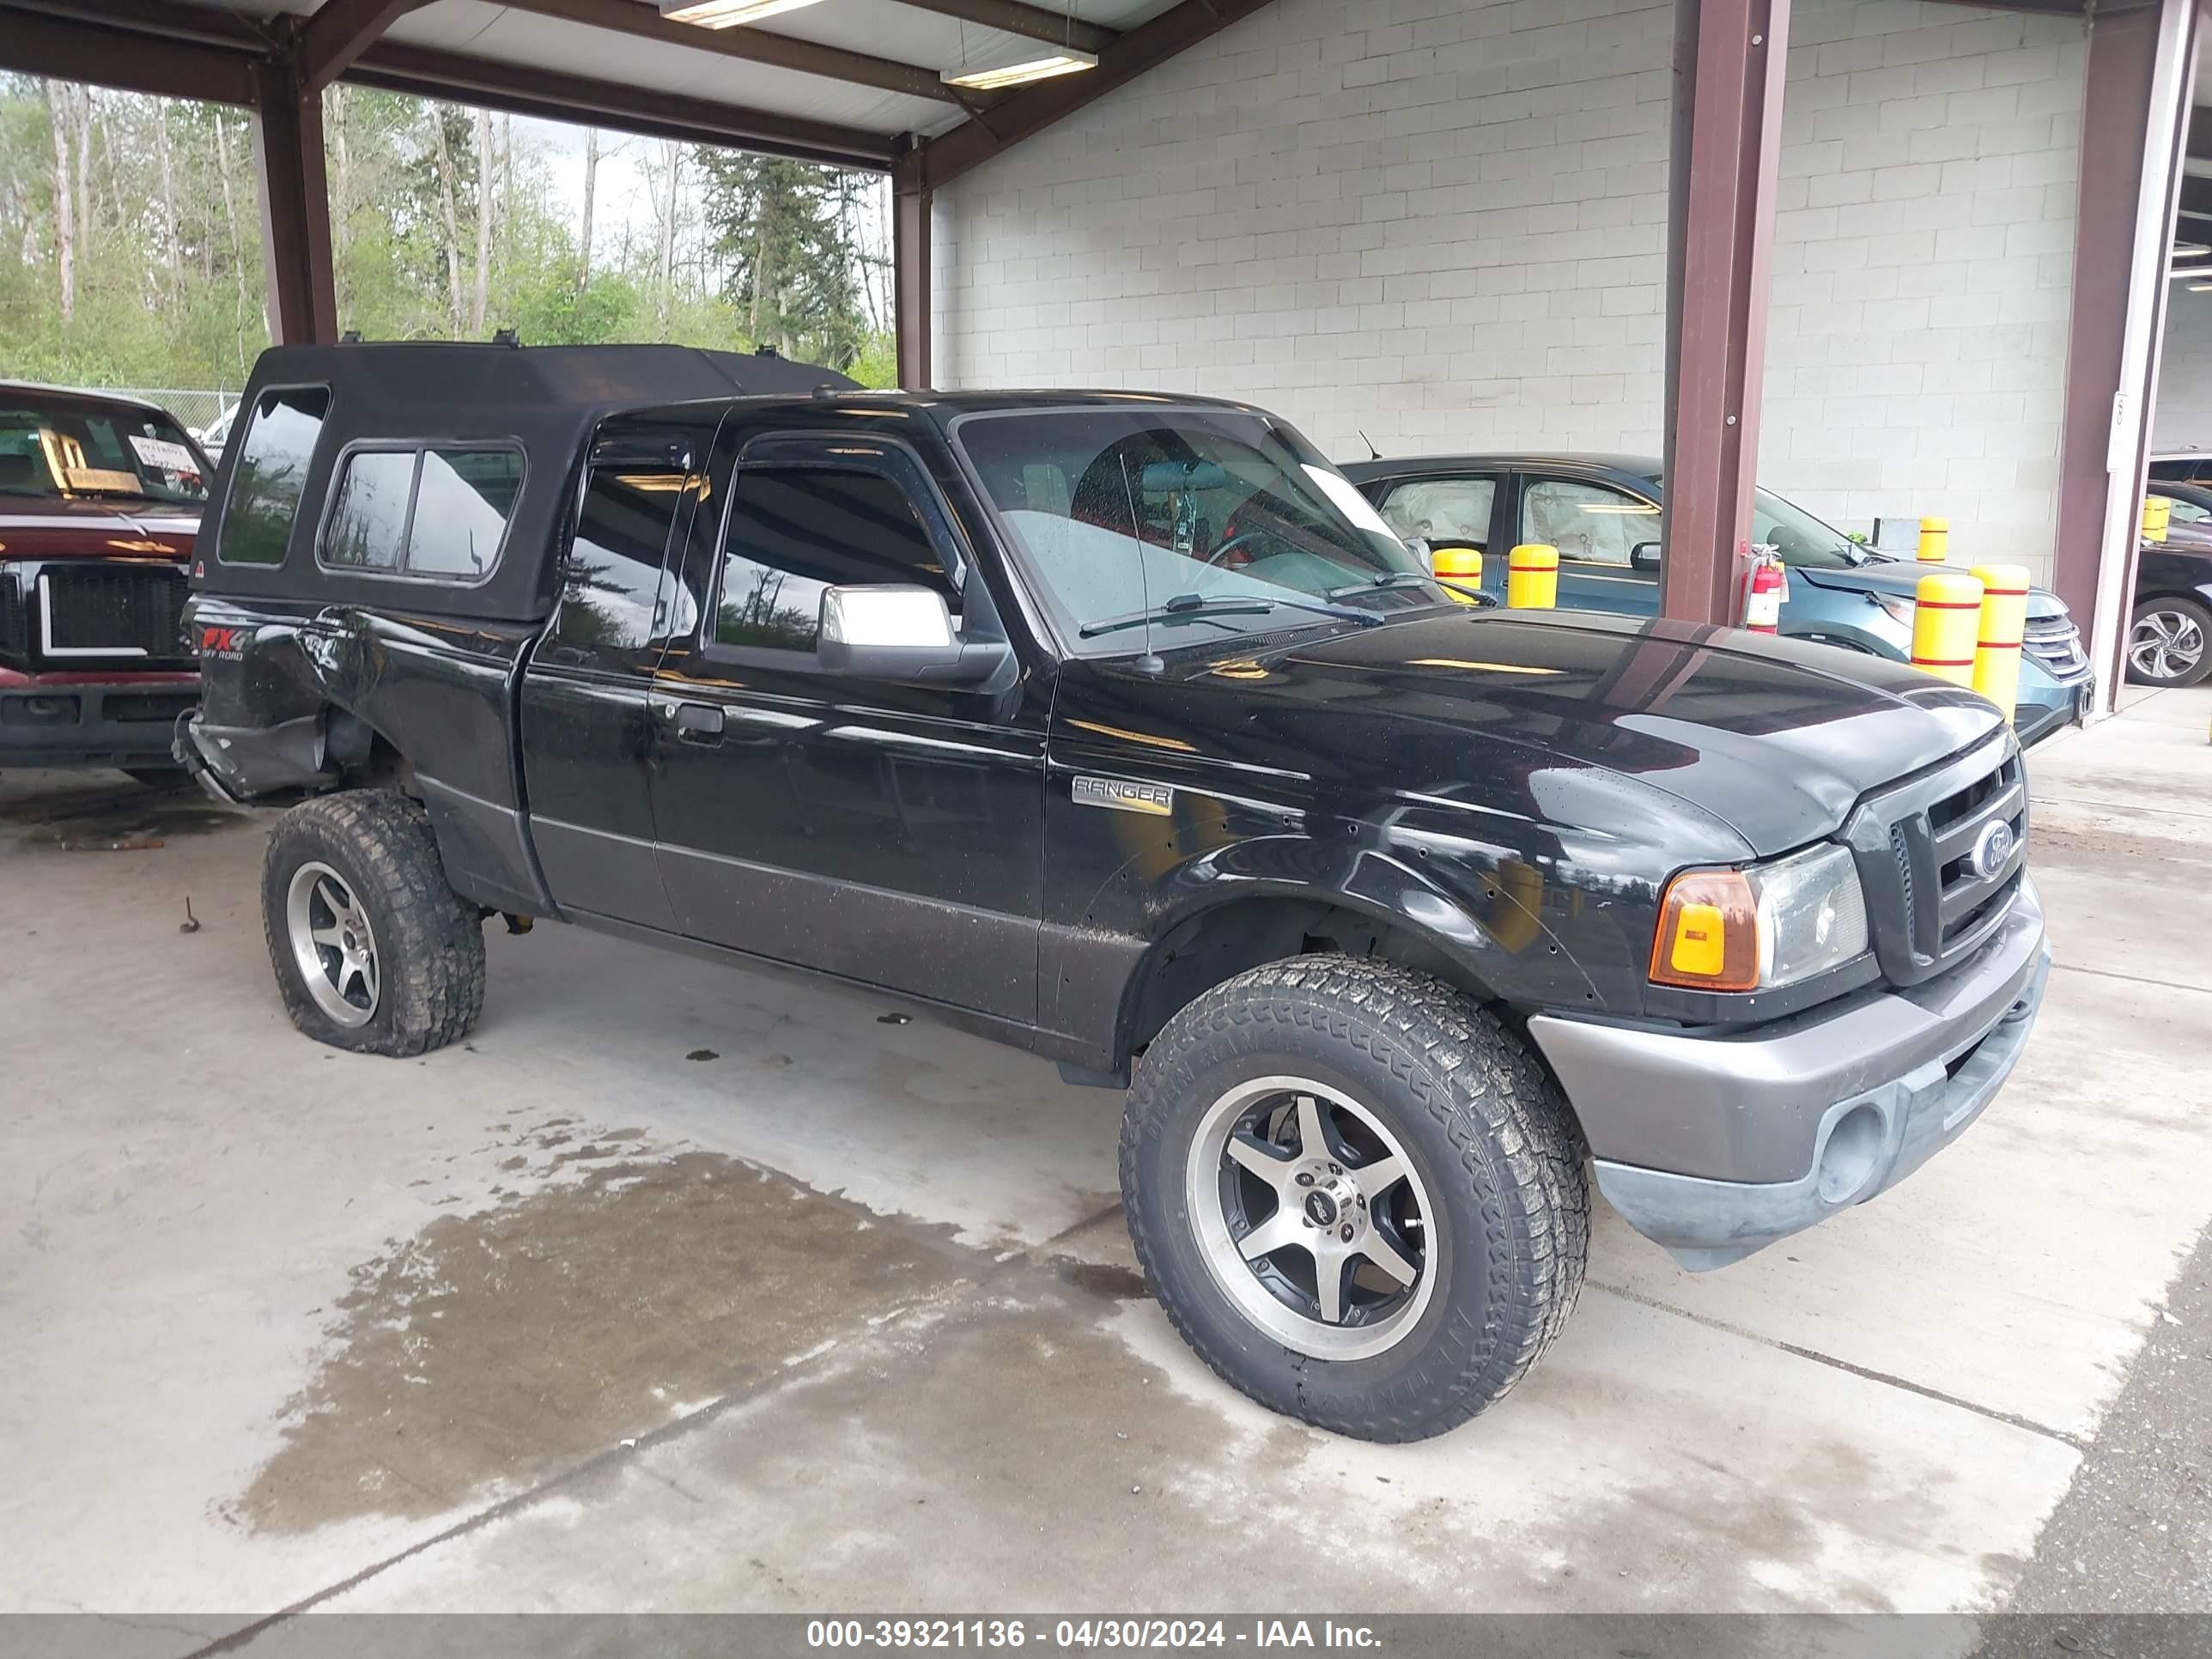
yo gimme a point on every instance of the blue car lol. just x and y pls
(1602, 511)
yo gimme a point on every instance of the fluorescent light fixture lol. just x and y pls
(726, 14)
(2189, 250)
(2200, 287)
(1067, 62)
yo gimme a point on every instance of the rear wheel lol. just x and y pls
(2169, 642)
(372, 949)
(1359, 1198)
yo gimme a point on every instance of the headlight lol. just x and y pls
(1762, 928)
(1895, 606)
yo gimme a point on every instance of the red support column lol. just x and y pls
(911, 257)
(295, 209)
(1728, 56)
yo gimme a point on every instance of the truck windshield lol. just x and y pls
(63, 448)
(1209, 523)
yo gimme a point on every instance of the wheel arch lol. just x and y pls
(1212, 943)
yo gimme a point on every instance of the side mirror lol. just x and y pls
(902, 632)
(1644, 555)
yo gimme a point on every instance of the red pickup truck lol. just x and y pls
(100, 506)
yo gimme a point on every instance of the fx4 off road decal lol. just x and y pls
(228, 643)
(1156, 800)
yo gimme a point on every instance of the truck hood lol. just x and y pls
(36, 529)
(1901, 578)
(1778, 739)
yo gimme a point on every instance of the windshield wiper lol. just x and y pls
(1198, 607)
(1388, 579)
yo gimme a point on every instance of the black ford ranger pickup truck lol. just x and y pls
(1120, 728)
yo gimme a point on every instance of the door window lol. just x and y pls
(795, 529)
(614, 597)
(1589, 523)
(1442, 510)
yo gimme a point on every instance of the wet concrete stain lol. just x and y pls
(1025, 1406)
(2108, 851)
(494, 1348)
(1103, 1278)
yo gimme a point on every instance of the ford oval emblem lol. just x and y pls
(1991, 850)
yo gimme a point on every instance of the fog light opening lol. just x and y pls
(1847, 1162)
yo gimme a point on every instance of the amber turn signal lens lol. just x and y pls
(1708, 936)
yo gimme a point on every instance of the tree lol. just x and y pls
(784, 230)
(64, 207)
(130, 242)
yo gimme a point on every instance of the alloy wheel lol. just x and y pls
(1311, 1217)
(333, 943)
(2166, 645)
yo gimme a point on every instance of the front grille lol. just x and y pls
(1919, 848)
(2056, 645)
(108, 612)
(1901, 850)
(15, 641)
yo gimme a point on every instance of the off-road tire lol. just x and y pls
(1498, 1150)
(429, 940)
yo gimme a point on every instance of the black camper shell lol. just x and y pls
(541, 404)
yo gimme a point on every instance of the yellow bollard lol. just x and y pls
(1460, 570)
(1945, 621)
(2157, 517)
(1996, 645)
(1532, 577)
(1934, 540)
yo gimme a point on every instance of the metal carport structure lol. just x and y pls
(860, 84)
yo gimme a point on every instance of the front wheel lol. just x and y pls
(1358, 1195)
(2169, 642)
(373, 949)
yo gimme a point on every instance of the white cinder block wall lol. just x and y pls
(1442, 222)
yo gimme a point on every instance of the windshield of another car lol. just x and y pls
(1802, 539)
(60, 448)
(1213, 522)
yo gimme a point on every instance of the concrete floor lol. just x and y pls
(684, 1288)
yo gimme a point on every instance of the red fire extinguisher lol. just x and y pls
(1763, 597)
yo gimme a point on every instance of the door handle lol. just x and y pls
(698, 722)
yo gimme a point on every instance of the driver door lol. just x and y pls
(884, 832)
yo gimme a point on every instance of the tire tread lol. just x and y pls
(1519, 1147)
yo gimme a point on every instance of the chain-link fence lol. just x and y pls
(191, 408)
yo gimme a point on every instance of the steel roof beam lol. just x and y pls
(1015, 17)
(72, 48)
(941, 159)
(752, 46)
(521, 90)
(339, 31)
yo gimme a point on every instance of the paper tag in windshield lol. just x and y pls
(161, 453)
(99, 477)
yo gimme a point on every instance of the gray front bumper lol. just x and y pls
(1716, 1146)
